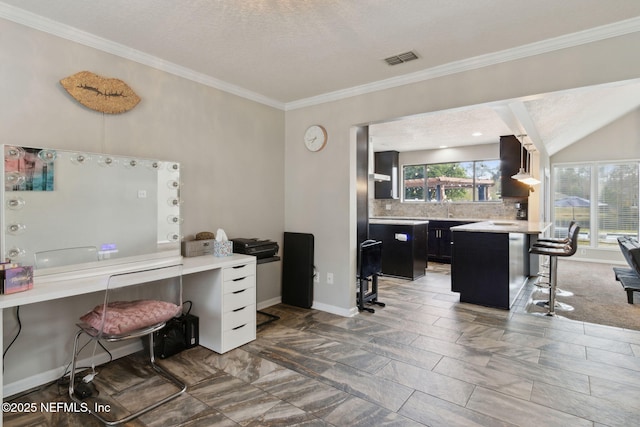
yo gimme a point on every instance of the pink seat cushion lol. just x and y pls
(125, 316)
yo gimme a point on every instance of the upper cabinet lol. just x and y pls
(511, 153)
(386, 163)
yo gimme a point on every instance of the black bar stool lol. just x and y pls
(553, 251)
(544, 285)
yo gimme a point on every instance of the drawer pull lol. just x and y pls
(239, 309)
(239, 292)
(239, 266)
(239, 278)
(238, 327)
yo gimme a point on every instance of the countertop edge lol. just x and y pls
(523, 227)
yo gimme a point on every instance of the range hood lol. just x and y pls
(380, 177)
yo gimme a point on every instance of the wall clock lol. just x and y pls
(315, 138)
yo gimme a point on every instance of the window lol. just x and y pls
(615, 188)
(414, 182)
(456, 181)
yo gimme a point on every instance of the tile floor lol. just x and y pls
(423, 360)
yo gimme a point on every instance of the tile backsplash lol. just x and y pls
(505, 209)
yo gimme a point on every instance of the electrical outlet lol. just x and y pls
(329, 278)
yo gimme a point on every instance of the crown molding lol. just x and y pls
(545, 46)
(570, 40)
(49, 26)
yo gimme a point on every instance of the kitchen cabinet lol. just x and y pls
(404, 246)
(510, 163)
(386, 163)
(439, 247)
(491, 262)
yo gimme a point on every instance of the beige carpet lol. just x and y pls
(598, 297)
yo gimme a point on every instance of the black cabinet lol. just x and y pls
(440, 240)
(386, 163)
(489, 269)
(404, 248)
(511, 151)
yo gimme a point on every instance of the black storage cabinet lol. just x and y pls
(386, 163)
(406, 259)
(510, 162)
(297, 269)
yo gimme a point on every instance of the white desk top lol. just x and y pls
(64, 285)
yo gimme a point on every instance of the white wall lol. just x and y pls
(617, 141)
(452, 154)
(320, 187)
(231, 151)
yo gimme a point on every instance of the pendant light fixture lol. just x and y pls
(529, 179)
(523, 174)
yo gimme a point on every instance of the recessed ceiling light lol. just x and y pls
(476, 134)
(443, 146)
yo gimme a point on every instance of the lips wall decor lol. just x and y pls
(98, 93)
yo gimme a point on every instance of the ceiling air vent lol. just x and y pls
(401, 58)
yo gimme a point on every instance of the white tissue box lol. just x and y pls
(224, 248)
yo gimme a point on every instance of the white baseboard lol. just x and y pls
(316, 305)
(269, 303)
(41, 378)
(335, 310)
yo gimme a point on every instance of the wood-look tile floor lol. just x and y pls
(423, 360)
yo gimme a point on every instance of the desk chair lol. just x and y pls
(157, 298)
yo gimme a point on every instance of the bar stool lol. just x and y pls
(550, 241)
(553, 251)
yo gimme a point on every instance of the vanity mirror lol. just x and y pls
(66, 210)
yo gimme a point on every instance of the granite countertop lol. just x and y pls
(396, 221)
(505, 226)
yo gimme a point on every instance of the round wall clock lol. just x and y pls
(315, 138)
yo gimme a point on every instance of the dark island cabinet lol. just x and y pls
(440, 238)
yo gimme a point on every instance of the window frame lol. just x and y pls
(426, 188)
(594, 194)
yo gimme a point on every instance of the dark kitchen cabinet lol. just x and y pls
(404, 247)
(440, 239)
(510, 162)
(386, 163)
(489, 269)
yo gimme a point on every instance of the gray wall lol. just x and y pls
(245, 169)
(231, 151)
(320, 187)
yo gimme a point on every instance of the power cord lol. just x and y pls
(14, 338)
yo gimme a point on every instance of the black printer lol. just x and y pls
(256, 247)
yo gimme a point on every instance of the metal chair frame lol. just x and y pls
(117, 281)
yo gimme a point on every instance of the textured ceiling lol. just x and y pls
(288, 51)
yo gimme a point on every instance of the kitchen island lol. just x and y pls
(490, 260)
(404, 246)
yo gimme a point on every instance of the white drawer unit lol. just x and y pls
(224, 299)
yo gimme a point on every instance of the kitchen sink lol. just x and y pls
(502, 223)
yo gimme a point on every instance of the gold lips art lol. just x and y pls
(102, 94)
